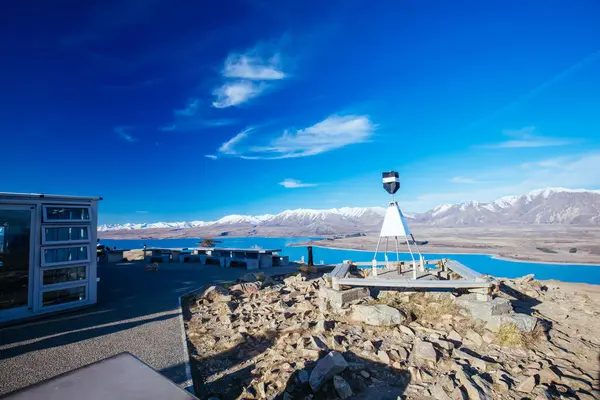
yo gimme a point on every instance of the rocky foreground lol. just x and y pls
(295, 338)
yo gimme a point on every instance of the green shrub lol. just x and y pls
(546, 250)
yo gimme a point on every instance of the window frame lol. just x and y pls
(69, 304)
(65, 242)
(74, 221)
(60, 263)
(68, 283)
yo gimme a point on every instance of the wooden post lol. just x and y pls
(335, 284)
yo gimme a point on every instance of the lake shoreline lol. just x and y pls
(482, 261)
(345, 246)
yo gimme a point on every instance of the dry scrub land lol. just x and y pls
(552, 243)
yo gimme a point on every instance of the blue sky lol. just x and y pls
(181, 110)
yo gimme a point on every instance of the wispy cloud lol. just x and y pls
(124, 133)
(332, 133)
(462, 179)
(190, 109)
(246, 75)
(572, 171)
(229, 147)
(295, 184)
(236, 93)
(252, 66)
(556, 162)
(211, 156)
(527, 138)
(189, 118)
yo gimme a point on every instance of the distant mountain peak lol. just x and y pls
(553, 205)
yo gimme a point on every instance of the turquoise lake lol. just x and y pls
(479, 262)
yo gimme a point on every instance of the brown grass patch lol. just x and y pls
(508, 335)
(424, 309)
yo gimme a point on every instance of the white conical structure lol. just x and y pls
(394, 225)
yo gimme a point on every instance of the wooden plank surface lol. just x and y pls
(463, 270)
(411, 283)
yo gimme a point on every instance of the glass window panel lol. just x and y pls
(66, 234)
(60, 275)
(79, 234)
(67, 213)
(2, 229)
(66, 254)
(15, 242)
(69, 295)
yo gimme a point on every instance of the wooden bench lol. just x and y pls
(339, 272)
(462, 270)
(414, 283)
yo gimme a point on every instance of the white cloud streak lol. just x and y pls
(246, 75)
(190, 119)
(211, 156)
(251, 66)
(236, 93)
(526, 138)
(574, 171)
(229, 147)
(295, 184)
(124, 133)
(332, 133)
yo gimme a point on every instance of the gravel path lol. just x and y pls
(138, 312)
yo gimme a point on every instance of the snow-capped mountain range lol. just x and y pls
(346, 217)
(543, 206)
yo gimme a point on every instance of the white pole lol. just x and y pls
(399, 268)
(420, 255)
(387, 241)
(413, 258)
(375, 257)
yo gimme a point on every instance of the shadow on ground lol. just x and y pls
(522, 302)
(231, 372)
(73, 337)
(128, 297)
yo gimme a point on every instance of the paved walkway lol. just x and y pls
(138, 312)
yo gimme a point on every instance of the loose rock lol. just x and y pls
(454, 336)
(473, 390)
(527, 385)
(341, 387)
(377, 315)
(439, 393)
(423, 352)
(474, 337)
(383, 356)
(328, 366)
(303, 376)
(547, 375)
(474, 361)
(406, 330)
(215, 293)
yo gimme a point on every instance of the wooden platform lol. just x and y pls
(428, 279)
